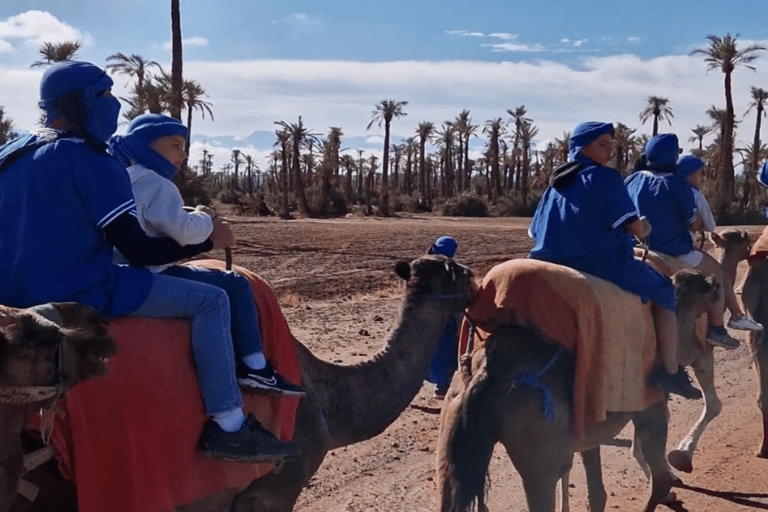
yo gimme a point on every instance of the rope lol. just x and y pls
(532, 381)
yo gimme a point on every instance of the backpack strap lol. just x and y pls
(565, 174)
(45, 138)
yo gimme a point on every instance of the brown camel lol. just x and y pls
(485, 406)
(755, 298)
(43, 352)
(346, 404)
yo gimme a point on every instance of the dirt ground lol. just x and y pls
(338, 290)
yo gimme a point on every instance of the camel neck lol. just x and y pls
(364, 399)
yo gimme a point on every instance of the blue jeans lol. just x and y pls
(207, 309)
(245, 328)
(445, 361)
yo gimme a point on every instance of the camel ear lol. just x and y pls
(403, 269)
(717, 239)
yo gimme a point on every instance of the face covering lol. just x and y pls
(103, 112)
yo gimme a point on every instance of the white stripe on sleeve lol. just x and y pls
(128, 206)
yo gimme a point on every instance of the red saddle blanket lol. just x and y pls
(609, 330)
(128, 440)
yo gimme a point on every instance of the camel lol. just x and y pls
(484, 405)
(755, 298)
(44, 351)
(346, 404)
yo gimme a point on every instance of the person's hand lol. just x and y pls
(206, 210)
(221, 236)
(646, 226)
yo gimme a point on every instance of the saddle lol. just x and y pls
(128, 440)
(609, 331)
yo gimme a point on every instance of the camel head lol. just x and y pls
(694, 291)
(36, 351)
(734, 242)
(435, 276)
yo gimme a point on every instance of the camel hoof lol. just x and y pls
(762, 453)
(680, 460)
(670, 499)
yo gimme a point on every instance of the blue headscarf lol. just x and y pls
(101, 112)
(134, 145)
(762, 176)
(688, 165)
(584, 134)
(661, 153)
(444, 245)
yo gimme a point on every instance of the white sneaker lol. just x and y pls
(745, 323)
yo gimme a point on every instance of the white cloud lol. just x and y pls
(515, 47)
(249, 96)
(301, 19)
(186, 43)
(634, 40)
(464, 33)
(565, 40)
(35, 28)
(579, 42)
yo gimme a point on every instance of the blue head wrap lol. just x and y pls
(134, 145)
(661, 153)
(444, 245)
(584, 134)
(68, 76)
(762, 176)
(688, 165)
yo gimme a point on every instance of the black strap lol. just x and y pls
(565, 174)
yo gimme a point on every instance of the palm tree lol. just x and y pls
(527, 133)
(57, 52)
(299, 134)
(518, 118)
(384, 112)
(465, 129)
(177, 81)
(759, 98)
(750, 154)
(6, 128)
(698, 135)
(237, 159)
(282, 140)
(622, 143)
(658, 109)
(425, 131)
(494, 128)
(723, 54)
(133, 65)
(192, 96)
(444, 138)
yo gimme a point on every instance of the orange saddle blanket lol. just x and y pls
(609, 330)
(128, 440)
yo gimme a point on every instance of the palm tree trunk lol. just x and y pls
(177, 81)
(727, 156)
(384, 203)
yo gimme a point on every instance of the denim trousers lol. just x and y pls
(207, 308)
(245, 328)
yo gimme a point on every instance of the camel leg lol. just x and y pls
(704, 367)
(596, 497)
(760, 355)
(565, 505)
(651, 434)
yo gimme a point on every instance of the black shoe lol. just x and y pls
(678, 383)
(252, 443)
(266, 380)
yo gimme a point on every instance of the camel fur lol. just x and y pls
(485, 406)
(30, 349)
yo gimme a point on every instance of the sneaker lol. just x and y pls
(252, 443)
(677, 384)
(266, 380)
(719, 337)
(745, 323)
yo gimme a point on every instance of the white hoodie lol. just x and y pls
(160, 210)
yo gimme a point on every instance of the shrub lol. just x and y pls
(465, 205)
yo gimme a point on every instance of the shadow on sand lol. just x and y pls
(744, 499)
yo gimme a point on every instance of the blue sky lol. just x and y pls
(332, 61)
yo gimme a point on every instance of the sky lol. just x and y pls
(331, 62)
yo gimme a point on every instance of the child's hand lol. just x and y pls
(646, 226)
(221, 236)
(206, 210)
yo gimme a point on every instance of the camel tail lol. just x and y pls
(470, 446)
